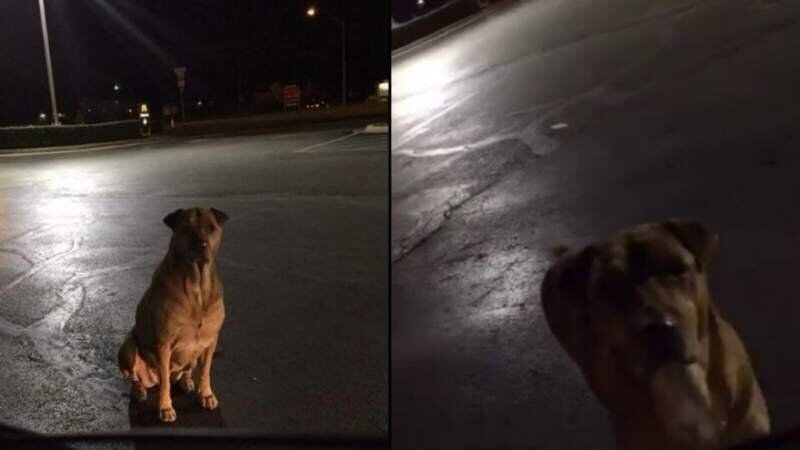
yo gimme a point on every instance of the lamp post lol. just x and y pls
(49, 63)
(312, 12)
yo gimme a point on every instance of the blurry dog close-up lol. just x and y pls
(636, 315)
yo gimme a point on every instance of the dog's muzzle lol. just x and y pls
(665, 343)
(199, 251)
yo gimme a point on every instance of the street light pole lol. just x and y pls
(344, 66)
(49, 64)
(312, 12)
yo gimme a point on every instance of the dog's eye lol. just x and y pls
(675, 274)
(677, 270)
(210, 228)
(672, 269)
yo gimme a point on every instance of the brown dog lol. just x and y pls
(179, 317)
(636, 315)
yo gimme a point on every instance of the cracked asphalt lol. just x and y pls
(550, 122)
(303, 261)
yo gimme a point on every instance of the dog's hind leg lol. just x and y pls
(141, 379)
(126, 357)
(130, 366)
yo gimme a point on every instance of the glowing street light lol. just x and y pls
(312, 12)
(116, 87)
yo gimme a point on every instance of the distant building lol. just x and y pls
(268, 97)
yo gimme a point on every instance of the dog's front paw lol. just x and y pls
(209, 401)
(167, 414)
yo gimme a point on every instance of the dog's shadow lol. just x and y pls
(189, 415)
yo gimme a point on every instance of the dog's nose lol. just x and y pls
(651, 318)
(199, 242)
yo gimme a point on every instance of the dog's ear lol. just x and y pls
(172, 219)
(219, 215)
(697, 238)
(577, 273)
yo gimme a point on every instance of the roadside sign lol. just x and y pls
(144, 116)
(180, 73)
(291, 96)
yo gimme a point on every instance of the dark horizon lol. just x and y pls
(224, 45)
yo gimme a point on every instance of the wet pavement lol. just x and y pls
(550, 122)
(303, 261)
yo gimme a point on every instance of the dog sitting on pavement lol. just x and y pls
(636, 315)
(180, 315)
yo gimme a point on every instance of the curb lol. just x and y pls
(275, 123)
(376, 128)
(96, 146)
(267, 128)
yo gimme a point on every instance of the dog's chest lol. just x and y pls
(195, 334)
(199, 331)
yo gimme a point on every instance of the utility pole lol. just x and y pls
(49, 64)
(180, 73)
(344, 66)
(312, 12)
(237, 51)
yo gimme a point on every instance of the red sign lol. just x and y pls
(291, 95)
(180, 73)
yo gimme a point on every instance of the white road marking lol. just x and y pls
(374, 144)
(414, 132)
(75, 150)
(424, 153)
(321, 144)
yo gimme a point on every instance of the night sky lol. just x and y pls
(97, 43)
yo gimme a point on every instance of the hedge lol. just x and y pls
(281, 120)
(51, 136)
